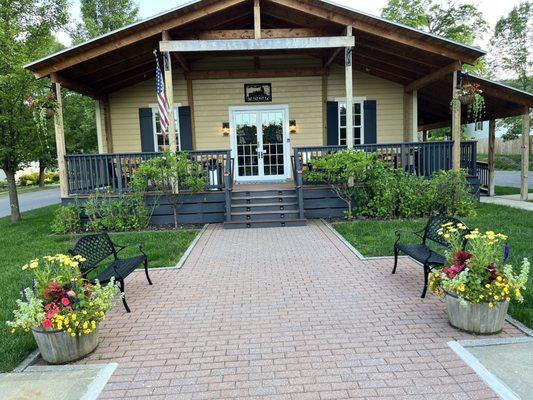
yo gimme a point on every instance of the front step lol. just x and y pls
(264, 208)
(266, 223)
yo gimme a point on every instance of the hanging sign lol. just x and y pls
(257, 92)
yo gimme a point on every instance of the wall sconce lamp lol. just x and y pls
(293, 128)
(225, 128)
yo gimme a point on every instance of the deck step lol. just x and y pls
(265, 223)
(262, 215)
(260, 193)
(264, 207)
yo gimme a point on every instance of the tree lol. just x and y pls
(26, 28)
(512, 55)
(102, 16)
(460, 22)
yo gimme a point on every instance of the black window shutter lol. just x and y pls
(147, 130)
(369, 110)
(184, 114)
(332, 116)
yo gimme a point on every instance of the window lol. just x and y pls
(357, 123)
(479, 126)
(158, 136)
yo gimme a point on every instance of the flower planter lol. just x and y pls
(476, 317)
(49, 113)
(466, 99)
(59, 347)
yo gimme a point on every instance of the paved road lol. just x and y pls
(30, 201)
(511, 178)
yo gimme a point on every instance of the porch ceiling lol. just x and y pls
(384, 49)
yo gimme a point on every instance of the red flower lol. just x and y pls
(65, 301)
(47, 324)
(454, 270)
(461, 257)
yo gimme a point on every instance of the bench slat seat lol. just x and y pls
(422, 252)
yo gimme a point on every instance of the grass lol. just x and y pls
(31, 238)
(27, 189)
(506, 162)
(376, 238)
(505, 190)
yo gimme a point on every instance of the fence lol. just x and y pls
(503, 147)
(88, 173)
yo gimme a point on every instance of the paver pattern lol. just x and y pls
(283, 313)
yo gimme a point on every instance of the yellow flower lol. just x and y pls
(487, 285)
(461, 287)
(73, 316)
(25, 267)
(499, 278)
(491, 305)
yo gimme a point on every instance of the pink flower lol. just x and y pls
(47, 324)
(454, 270)
(65, 301)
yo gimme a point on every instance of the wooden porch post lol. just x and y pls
(349, 91)
(169, 91)
(257, 20)
(414, 116)
(107, 125)
(456, 127)
(100, 129)
(60, 138)
(524, 187)
(190, 98)
(492, 141)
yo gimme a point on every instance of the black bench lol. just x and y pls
(98, 247)
(421, 252)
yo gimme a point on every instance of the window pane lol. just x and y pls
(357, 135)
(342, 109)
(342, 121)
(357, 120)
(357, 108)
(343, 134)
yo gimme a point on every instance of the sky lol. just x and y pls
(492, 9)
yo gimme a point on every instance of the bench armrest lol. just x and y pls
(399, 232)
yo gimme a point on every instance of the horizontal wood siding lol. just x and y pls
(212, 99)
(388, 96)
(322, 202)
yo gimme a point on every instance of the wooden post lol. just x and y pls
(492, 142)
(349, 91)
(190, 99)
(169, 91)
(425, 135)
(524, 186)
(414, 116)
(456, 127)
(324, 110)
(257, 20)
(100, 127)
(107, 126)
(60, 139)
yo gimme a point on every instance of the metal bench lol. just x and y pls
(422, 252)
(97, 248)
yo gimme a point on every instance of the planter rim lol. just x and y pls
(469, 302)
(44, 330)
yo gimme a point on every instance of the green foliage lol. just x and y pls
(170, 174)
(32, 178)
(123, 213)
(67, 219)
(79, 120)
(103, 16)
(460, 22)
(366, 182)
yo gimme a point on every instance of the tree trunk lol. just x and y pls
(42, 170)
(13, 196)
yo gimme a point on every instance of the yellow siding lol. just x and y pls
(212, 99)
(388, 96)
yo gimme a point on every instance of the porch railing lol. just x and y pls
(483, 175)
(88, 173)
(418, 158)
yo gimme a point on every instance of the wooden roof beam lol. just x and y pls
(257, 19)
(257, 44)
(434, 76)
(135, 37)
(367, 27)
(266, 73)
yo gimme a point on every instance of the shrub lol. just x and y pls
(109, 213)
(3, 183)
(29, 179)
(67, 219)
(410, 196)
(51, 177)
(451, 193)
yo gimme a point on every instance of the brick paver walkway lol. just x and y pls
(283, 313)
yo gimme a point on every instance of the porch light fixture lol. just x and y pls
(293, 128)
(225, 128)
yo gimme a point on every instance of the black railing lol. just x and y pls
(418, 158)
(483, 175)
(88, 173)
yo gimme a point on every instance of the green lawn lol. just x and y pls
(20, 242)
(376, 238)
(506, 162)
(505, 190)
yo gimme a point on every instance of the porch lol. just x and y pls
(226, 199)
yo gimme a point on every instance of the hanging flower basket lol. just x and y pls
(467, 97)
(470, 95)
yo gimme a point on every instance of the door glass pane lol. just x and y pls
(273, 159)
(246, 130)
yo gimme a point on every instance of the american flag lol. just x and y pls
(161, 100)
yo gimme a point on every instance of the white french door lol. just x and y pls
(260, 142)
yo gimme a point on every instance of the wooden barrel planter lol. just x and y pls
(60, 347)
(476, 317)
